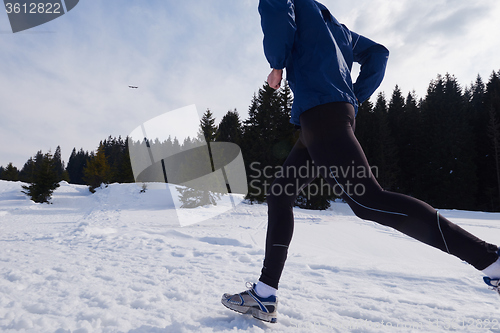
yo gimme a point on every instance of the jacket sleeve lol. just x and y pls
(278, 25)
(373, 60)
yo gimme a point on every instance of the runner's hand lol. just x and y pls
(274, 78)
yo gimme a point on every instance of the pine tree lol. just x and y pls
(207, 126)
(411, 147)
(125, 172)
(27, 173)
(116, 152)
(208, 130)
(478, 90)
(494, 134)
(97, 171)
(268, 137)
(395, 117)
(450, 172)
(176, 147)
(264, 143)
(230, 128)
(248, 145)
(10, 173)
(492, 105)
(363, 124)
(397, 133)
(478, 115)
(44, 180)
(207, 192)
(76, 163)
(285, 138)
(375, 137)
(59, 165)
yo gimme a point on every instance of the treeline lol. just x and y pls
(43, 172)
(443, 148)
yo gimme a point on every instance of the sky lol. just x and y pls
(65, 83)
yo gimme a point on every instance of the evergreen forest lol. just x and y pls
(443, 148)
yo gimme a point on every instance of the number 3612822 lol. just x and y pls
(33, 8)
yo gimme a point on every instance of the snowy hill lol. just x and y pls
(116, 261)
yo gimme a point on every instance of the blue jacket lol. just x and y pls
(318, 52)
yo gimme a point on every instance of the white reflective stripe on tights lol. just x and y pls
(373, 209)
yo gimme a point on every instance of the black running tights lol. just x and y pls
(327, 143)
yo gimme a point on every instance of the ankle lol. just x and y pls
(493, 270)
(263, 290)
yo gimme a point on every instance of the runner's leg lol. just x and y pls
(327, 132)
(280, 200)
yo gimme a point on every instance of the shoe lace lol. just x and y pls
(249, 285)
(497, 289)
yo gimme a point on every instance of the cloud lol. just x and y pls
(71, 86)
(429, 37)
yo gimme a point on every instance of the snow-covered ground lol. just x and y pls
(116, 261)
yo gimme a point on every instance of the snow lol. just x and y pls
(118, 261)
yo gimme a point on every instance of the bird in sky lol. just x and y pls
(133, 87)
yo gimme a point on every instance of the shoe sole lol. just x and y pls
(256, 313)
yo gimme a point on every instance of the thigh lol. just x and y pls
(331, 143)
(328, 134)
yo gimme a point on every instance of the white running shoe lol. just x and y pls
(249, 302)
